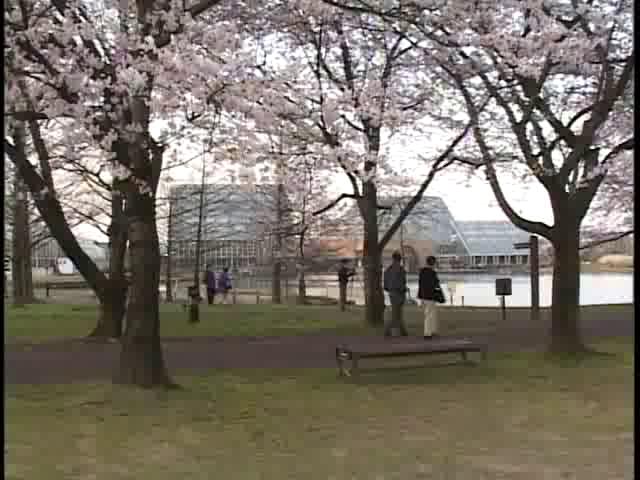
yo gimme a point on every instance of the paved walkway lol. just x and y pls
(79, 360)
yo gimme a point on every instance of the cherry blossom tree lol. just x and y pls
(555, 75)
(307, 197)
(301, 181)
(610, 217)
(352, 87)
(111, 69)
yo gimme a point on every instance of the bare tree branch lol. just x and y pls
(607, 240)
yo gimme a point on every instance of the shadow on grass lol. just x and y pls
(589, 357)
(437, 374)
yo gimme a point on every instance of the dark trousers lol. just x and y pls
(211, 295)
(343, 296)
(396, 320)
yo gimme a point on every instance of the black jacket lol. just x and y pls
(344, 274)
(428, 282)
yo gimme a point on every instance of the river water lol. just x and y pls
(479, 289)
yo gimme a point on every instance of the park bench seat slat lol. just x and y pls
(421, 346)
(391, 348)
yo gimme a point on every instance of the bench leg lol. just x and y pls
(465, 359)
(341, 357)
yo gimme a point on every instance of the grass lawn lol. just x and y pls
(519, 417)
(42, 322)
(46, 322)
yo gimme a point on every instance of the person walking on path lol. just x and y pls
(224, 284)
(210, 282)
(395, 283)
(344, 274)
(430, 292)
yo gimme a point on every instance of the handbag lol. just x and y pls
(438, 295)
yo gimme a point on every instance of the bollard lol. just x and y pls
(234, 297)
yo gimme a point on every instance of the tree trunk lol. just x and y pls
(302, 286)
(276, 286)
(276, 279)
(194, 307)
(21, 255)
(141, 360)
(111, 315)
(113, 301)
(28, 275)
(169, 281)
(169, 271)
(372, 257)
(565, 307)
(373, 293)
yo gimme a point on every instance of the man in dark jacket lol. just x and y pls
(430, 292)
(344, 274)
(395, 283)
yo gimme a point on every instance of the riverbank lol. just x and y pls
(585, 267)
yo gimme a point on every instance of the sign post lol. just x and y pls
(534, 259)
(503, 289)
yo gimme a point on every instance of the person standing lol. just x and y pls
(344, 274)
(224, 284)
(430, 292)
(395, 283)
(210, 282)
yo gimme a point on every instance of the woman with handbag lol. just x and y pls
(430, 292)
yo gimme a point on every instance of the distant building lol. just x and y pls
(491, 243)
(239, 224)
(430, 229)
(46, 253)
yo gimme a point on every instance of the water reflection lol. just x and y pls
(479, 289)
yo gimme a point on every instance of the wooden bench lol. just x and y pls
(72, 285)
(394, 348)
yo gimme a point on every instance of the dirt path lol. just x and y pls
(64, 362)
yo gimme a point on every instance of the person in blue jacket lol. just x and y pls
(224, 284)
